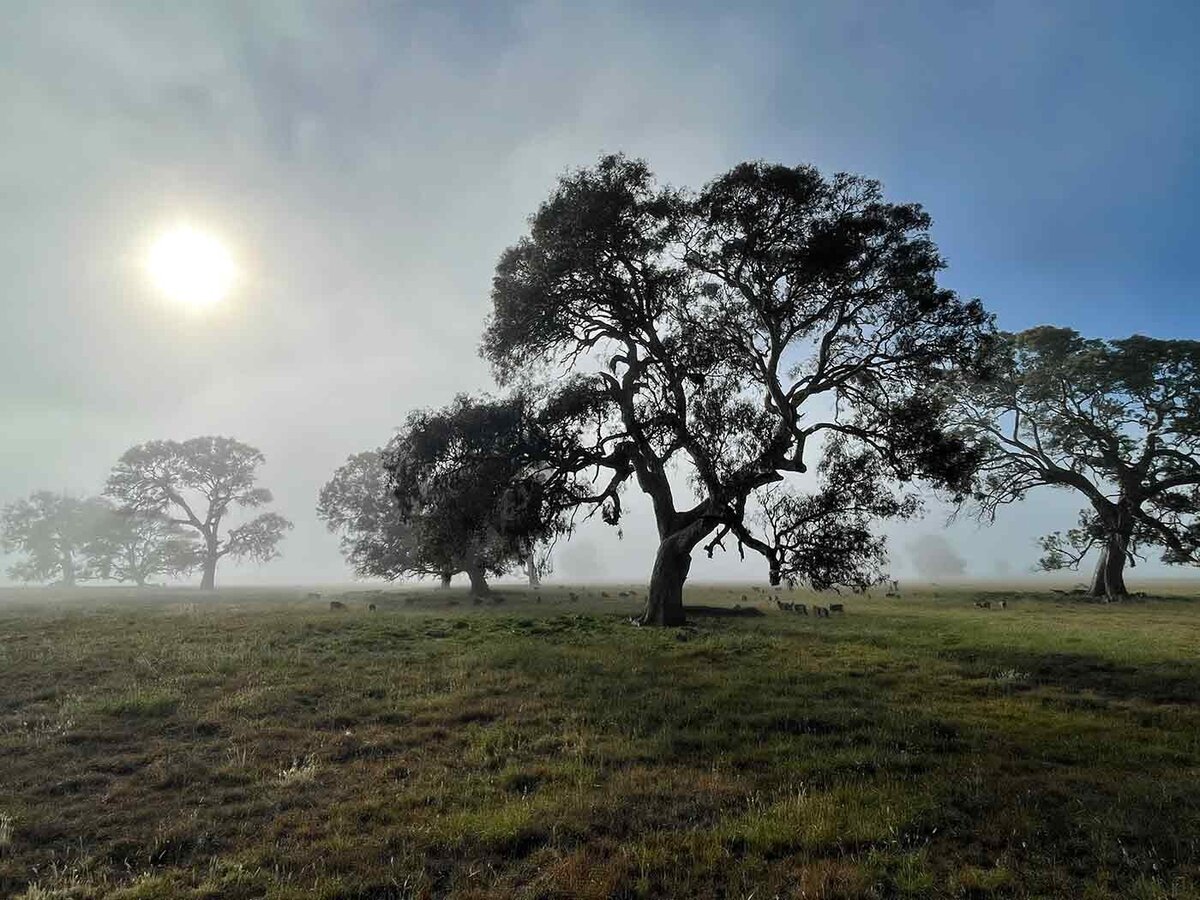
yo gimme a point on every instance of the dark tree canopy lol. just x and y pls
(825, 538)
(453, 492)
(466, 479)
(52, 531)
(1117, 421)
(726, 336)
(137, 545)
(197, 484)
(357, 503)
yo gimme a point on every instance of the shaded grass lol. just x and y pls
(256, 744)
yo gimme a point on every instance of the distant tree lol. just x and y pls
(935, 557)
(452, 493)
(1116, 421)
(137, 545)
(467, 479)
(196, 483)
(52, 531)
(725, 336)
(357, 503)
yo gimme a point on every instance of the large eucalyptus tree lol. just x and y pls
(1115, 421)
(731, 337)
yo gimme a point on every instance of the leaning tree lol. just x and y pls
(52, 531)
(1117, 421)
(197, 483)
(726, 338)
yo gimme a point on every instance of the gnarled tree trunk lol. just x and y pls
(479, 585)
(208, 580)
(446, 576)
(1109, 578)
(531, 571)
(664, 603)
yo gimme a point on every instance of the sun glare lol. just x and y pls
(191, 266)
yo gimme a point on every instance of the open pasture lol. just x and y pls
(256, 743)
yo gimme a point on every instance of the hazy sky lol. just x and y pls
(366, 164)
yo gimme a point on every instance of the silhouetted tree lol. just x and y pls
(1117, 421)
(137, 545)
(196, 483)
(725, 335)
(467, 480)
(357, 503)
(52, 531)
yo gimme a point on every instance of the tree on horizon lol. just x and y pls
(1116, 421)
(197, 484)
(137, 545)
(52, 530)
(454, 492)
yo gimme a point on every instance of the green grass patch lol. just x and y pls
(173, 744)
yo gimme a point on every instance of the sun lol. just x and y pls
(191, 266)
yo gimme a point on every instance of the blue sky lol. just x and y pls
(367, 163)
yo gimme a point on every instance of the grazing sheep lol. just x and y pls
(336, 604)
(801, 608)
(1004, 604)
(370, 607)
(837, 607)
(983, 604)
(821, 612)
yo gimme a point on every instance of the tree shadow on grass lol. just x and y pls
(1153, 682)
(717, 612)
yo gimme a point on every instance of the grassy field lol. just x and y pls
(168, 744)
